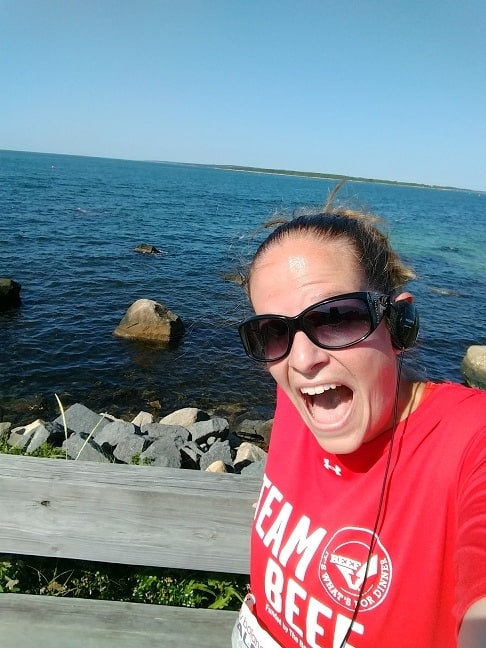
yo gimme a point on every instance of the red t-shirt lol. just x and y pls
(316, 514)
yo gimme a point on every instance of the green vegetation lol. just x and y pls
(327, 176)
(138, 460)
(46, 450)
(71, 578)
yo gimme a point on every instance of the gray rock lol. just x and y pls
(20, 436)
(76, 445)
(9, 293)
(255, 469)
(143, 418)
(255, 431)
(31, 437)
(192, 450)
(176, 433)
(162, 452)
(41, 435)
(219, 451)
(113, 434)
(4, 429)
(203, 430)
(129, 448)
(81, 420)
(190, 455)
(473, 366)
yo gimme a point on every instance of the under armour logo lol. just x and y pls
(336, 469)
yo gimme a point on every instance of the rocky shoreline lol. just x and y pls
(188, 438)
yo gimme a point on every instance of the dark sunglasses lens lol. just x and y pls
(338, 323)
(335, 324)
(266, 338)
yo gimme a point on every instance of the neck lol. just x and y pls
(409, 397)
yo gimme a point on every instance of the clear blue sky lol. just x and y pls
(385, 89)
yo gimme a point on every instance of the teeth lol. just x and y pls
(318, 389)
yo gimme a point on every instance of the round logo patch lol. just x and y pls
(342, 569)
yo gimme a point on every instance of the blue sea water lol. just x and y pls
(68, 229)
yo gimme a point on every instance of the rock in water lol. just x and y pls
(473, 366)
(145, 248)
(9, 293)
(148, 320)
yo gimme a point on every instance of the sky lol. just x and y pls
(386, 89)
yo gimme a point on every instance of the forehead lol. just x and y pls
(312, 267)
(299, 253)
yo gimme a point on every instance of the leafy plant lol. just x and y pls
(138, 460)
(8, 582)
(223, 593)
(46, 450)
(71, 578)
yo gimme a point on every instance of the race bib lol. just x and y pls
(247, 632)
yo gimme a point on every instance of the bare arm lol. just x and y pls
(473, 629)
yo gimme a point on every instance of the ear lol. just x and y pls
(403, 320)
(405, 296)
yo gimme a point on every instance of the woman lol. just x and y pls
(370, 529)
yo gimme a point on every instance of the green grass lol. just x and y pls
(46, 450)
(71, 578)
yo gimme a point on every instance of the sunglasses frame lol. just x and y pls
(377, 304)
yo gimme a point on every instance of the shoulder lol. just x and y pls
(452, 402)
(455, 391)
(450, 425)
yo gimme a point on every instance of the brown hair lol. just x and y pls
(384, 270)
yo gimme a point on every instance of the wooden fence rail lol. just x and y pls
(134, 515)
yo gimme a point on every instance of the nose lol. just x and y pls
(305, 355)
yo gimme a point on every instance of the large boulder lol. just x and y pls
(473, 366)
(148, 320)
(81, 420)
(9, 293)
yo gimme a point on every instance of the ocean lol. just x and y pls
(68, 229)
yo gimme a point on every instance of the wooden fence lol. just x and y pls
(133, 515)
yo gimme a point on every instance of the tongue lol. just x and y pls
(331, 405)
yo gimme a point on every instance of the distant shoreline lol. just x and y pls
(251, 169)
(330, 176)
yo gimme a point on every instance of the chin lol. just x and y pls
(337, 445)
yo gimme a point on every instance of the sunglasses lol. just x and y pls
(334, 323)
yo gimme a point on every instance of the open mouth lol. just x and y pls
(328, 404)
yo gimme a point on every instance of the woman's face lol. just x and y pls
(344, 396)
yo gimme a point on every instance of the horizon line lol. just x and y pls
(266, 170)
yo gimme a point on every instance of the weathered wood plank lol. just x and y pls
(43, 621)
(138, 515)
